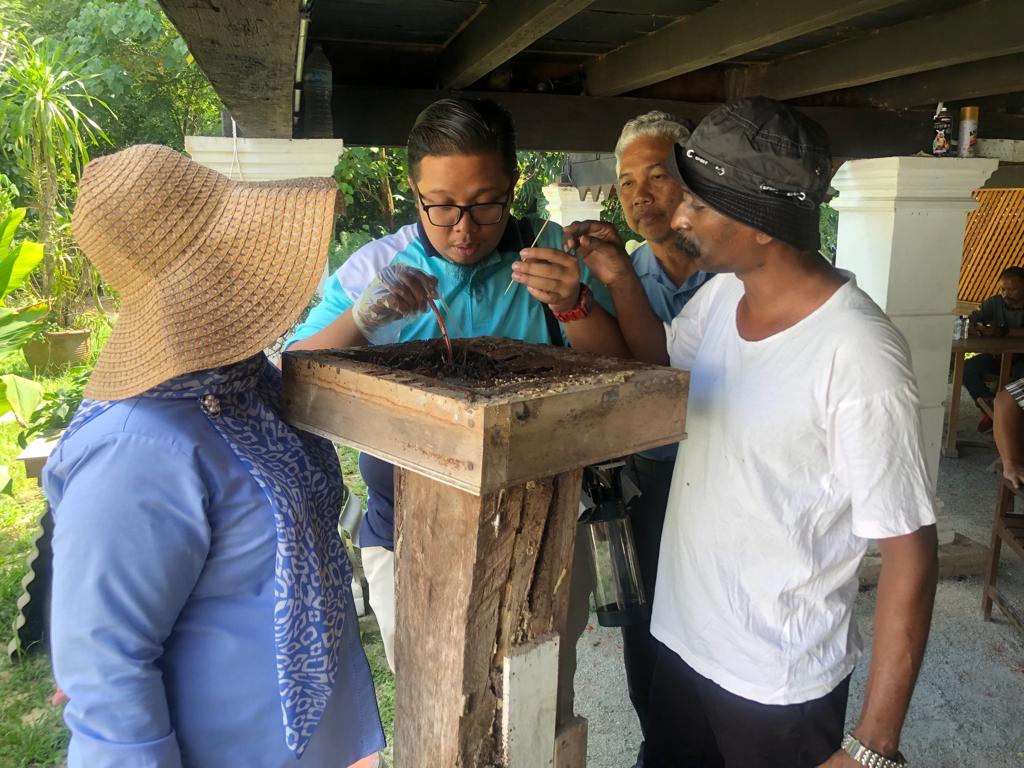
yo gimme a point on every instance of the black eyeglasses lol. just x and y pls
(448, 215)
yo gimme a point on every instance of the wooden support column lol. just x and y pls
(490, 454)
(477, 576)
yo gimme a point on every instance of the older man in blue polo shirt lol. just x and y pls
(670, 278)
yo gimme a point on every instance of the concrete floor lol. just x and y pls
(968, 708)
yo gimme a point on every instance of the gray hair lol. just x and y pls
(653, 123)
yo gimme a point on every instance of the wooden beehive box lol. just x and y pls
(508, 412)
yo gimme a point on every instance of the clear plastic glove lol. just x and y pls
(395, 294)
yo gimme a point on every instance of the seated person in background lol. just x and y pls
(466, 248)
(202, 610)
(1009, 431)
(999, 315)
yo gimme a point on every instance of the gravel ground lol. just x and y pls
(968, 708)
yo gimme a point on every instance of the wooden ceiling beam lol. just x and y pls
(971, 32)
(976, 79)
(365, 116)
(501, 30)
(247, 49)
(728, 29)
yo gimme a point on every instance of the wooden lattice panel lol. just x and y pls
(993, 241)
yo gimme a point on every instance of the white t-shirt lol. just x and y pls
(800, 448)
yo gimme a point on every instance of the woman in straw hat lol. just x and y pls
(202, 612)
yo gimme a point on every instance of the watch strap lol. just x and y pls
(866, 756)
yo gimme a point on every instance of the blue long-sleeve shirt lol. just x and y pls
(163, 603)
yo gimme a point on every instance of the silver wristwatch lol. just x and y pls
(868, 757)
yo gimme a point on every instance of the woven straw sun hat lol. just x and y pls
(210, 271)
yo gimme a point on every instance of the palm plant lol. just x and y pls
(44, 120)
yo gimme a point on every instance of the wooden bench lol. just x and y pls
(1007, 528)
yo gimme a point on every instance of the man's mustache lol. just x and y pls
(687, 246)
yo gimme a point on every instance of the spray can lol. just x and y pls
(942, 139)
(968, 131)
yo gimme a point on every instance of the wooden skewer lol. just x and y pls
(444, 331)
(539, 233)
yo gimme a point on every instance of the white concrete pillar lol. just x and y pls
(565, 206)
(901, 232)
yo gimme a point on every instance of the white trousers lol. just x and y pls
(379, 567)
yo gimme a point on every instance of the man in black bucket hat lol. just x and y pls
(804, 443)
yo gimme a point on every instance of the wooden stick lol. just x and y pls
(539, 233)
(444, 331)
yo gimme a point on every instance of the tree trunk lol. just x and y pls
(46, 196)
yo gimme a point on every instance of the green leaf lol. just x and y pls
(6, 481)
(23, 396)
(8, 227)
(17, 327)
(17, 264)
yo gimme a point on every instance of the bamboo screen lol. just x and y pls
(993, 241)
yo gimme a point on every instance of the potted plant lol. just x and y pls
(72, 296)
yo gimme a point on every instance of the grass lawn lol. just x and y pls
(32, 733)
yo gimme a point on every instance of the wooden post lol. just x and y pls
(477, 576)
(486, 500)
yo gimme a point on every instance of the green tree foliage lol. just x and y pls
(147, 74)
(828, 224)
(374, 181)
(46, 127)
(536, 171)
(142, 67)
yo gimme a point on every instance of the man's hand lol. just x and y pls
(550, 276)
(397, 291)
(601, 230)
(600, 247)
(840, 759)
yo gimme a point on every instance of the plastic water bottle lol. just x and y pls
(942, 139)
(317, 88)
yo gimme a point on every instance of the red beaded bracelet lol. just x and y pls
(583, 307)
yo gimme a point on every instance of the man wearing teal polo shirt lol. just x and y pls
(465, 249)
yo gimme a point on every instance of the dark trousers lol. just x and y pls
(647, 518)
(980, 366)
(695, 723)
